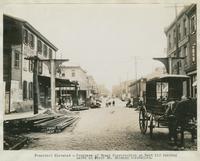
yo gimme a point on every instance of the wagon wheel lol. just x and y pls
(143, 120)
(151, 126)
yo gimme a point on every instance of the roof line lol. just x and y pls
(184, 10)
(27, 24)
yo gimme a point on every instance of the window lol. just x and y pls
(73, 73)
(25, 37)
(169, 41)
(193, 54)
(39, 46)
(185, 54)
(50, 53)
(24, 90)
(40, 65)
(179, 32)
(30, 90)
(179, 65)
(16, 59)
(45, 50)
(31, 65)
(184, 27)
(31, 40)
(174, 36)
(193, 24)
(161, 91)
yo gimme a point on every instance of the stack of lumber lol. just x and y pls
(54, 125)
(48, 121)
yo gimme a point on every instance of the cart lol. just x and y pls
(159, 92)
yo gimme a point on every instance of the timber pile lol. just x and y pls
(79, 108)
(48, 122)
(15, 142)
(55, 125)
(51, 122)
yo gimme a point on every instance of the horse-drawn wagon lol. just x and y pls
(161, 94)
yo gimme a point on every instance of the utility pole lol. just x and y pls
(135, 63)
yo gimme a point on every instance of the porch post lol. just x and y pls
(53, 105)
(35, 86)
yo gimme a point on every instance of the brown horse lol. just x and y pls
(182, 116)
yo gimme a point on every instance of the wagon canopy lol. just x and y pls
(169, 77)
(164, 88)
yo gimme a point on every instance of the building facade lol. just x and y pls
(21, 40)
(77, 74)
(182, 42)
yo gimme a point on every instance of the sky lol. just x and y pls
(104, 39)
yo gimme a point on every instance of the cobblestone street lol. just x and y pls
(112, 128)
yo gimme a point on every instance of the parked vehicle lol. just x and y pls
(96, 104)
(161, 93)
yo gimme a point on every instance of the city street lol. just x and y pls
(112, 128)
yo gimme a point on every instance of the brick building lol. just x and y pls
(21, 40)
(181, 42)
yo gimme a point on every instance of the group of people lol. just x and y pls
(64, 103)
(110, 103)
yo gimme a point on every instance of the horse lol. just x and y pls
(182, 116)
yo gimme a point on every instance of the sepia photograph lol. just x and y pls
(99, 77)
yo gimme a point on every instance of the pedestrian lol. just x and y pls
(113, 102)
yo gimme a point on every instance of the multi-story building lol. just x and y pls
(22, 40)
(76, 74)
(92, 85)
(181, 42)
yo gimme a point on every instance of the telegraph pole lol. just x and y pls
(135, 63)
(168, 61)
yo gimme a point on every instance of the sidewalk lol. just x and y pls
(21, 115)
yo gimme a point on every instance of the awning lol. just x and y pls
(59, 82)
(194, 83)
(64, 83)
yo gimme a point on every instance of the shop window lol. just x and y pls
(25, 36)
(24, 90)
(16, 59)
